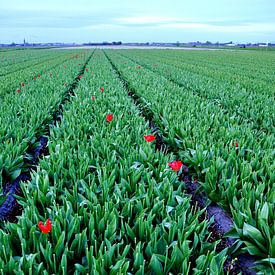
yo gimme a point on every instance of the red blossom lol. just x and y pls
(109, 117)
(236, 144)
(93, 97)
(34, 78)
(39, 75)
(102, 89)
(86, 69)
(18, 91)
(51, 74)
(175, 165)
(138, 67)
(45, 229)
(22, 84)
(150, 138)
(80, 76)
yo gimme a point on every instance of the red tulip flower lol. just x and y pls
(86, 69)
(175, 165)
(138, 67)
(80, 76)
(150, 138)
(51, 74)
(109, 117)
(102, 89)
(34, 78)
(236, 144)
(93, 97)
(39, 75)
(22, 84)
(45, 229)
(18, 91)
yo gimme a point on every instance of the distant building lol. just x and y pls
(230, 44)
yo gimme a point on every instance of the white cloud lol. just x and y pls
(102, 27)
(249, 27)
(145, 20)
(215, 25)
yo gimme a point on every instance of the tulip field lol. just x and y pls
(137, 162)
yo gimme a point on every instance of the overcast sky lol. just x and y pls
(137, 20)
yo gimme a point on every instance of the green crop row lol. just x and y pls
(256, 107)
(9, 58)
(13, 80)
(19, 60)
(115, 206)
(25, 113)
(233, 161)
(246, 69)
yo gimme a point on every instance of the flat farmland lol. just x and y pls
(136, 161)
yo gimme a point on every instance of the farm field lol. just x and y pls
(137, 162)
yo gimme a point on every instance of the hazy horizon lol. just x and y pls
(137, 21)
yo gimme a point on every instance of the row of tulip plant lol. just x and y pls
(233, 160)
(21, 59)
(253, 105)
(28, 109)
(14, 74)
(253, 71)
(105, 201)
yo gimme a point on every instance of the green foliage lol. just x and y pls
(115, 206)
(222, 127)
(26, 113)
